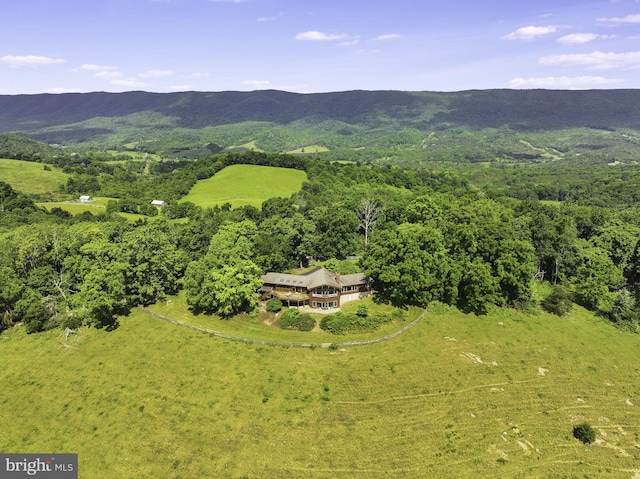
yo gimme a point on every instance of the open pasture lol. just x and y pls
(309, 149)
(96, 206)
(242, 185)
(30, 177)
(456, 396)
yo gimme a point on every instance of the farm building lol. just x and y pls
(319, 288)
(158, 203)
(85, 199)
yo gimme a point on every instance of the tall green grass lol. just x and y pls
(30, 177)
(242, 185)
(456, 396)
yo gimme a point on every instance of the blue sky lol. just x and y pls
(312, 46)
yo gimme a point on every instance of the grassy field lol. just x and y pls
(254, 328)
(242, 185)
(29, 177)
(456, 396)
(309, 149)
(96, 206)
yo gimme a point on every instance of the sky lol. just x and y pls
(310, 46)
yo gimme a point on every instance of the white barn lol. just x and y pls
(158, 203)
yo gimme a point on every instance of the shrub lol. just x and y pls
(274, 305)
(558, 302)
(341, 323)
(293, 319)
(337, 323)
(585, 433)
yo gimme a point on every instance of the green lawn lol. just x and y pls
(456, 396)
(30, 177)
(242, 185)
(253, 328)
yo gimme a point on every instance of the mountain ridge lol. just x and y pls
(367, 118)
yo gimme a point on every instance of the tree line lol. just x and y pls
(422, 235)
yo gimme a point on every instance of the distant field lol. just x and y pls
(75, 207)
(95, 207)
(242, 185)
(456, 396)
(309, 149)
(250, 146)
(31, 177)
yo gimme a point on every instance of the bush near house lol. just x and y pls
(341, 323)
(274, 305)
(293, 319)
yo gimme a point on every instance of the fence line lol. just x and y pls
(287, 344)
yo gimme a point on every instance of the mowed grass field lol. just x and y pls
(96, 206)
(456, 396)
(242, 185)
(30, 177)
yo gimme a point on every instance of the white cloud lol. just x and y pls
(580, 38)
(567, 83)
(349, 43)
(62, 90)
(29, 61)
(319, 36)
(530, 32)
(270, 19)
(156, 73)
(595, 60)
(635, 18)
(87, 67)
(388, 36)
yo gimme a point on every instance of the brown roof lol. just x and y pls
(314, 279)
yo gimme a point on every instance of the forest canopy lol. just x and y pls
(421, 234)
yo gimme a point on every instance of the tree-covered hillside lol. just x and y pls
(422, 235)
(484, 125)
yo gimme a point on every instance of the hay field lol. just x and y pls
(242, 185)
(456, 396)
(30, 177)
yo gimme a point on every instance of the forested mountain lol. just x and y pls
(471, 125)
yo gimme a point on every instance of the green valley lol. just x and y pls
(355, 284)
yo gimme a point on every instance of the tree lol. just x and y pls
(369, 212)
(408, 265)
(337, 229)
(154, 263)
(584, 432)
(226, 291)
(226, 280)
(478, 287)
(102, 295)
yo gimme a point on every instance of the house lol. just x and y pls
(158, 203)
(319, 288)
(85, 199)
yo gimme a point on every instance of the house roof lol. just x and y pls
(314, 279)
